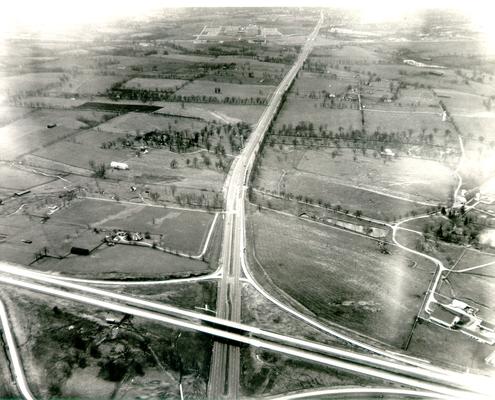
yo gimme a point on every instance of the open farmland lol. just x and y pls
(352, 198)
(154, 84)
(88, 84)
(9, 114)
(29, 82)
(339, 276)
(154, 167)
(207, 88)
(414, 178)
(462, 103)
(477, 127)
(311, 85)
(141, 123)
(181, 230)
(31, 132)
(79, 149)
(26, 237)
(297, 110)
(347, 54)
(13, 178)
(366, 184)
(431, 342)
(402, 121)
(223, 113)
(122, 261)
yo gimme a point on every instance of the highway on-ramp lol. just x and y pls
(309, 351)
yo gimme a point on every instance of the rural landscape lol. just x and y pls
(235, 203)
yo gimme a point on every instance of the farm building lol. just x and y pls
(80, 251)
(119, 165)
(444, 317)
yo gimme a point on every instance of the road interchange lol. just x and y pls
(309, 351)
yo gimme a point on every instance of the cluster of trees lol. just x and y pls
(356, 137)
(459, 227)
(337, 208)
(185, 140)
(194, 199)
(99, 169)
(205, 160)
(217, 100)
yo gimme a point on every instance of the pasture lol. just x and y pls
(134, 123)
(29, 82)
(88, 84)
(9, 114)
(479, 128)
(207, 88)
(154, 84)
(17, 179)
(78, 151)
(222, 113)
(341, 277)
(122, 261)
(408, 177)
(415, 123)
(27, 134)
(434, 343)
(181, 230)
(369, 202)
(297, 110)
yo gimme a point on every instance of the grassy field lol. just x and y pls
(458, 102)
(224, 113)
(264, 373)
(18, 179)
(84, 146)
(9, 114)
(347, 54)
(56, 237)
(297, 110)
(341, 277)
(451, 349)
(477, 127)
(407, 177)
(121, 262)
(154, 84)
(182, 230)
(142, 123)
(394, 121)
(342, 181)
(207, 88)
(29, 82)
(88, 84)
(31, 132)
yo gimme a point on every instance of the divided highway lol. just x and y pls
(224, 370)
(449, 384)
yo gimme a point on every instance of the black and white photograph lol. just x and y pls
(236, 200)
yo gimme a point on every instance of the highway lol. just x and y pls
(224, 371)
(294, 349)
(15, 360)
(466, 381)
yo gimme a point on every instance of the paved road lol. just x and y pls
(14, 358)
(312, 352)
(224, 371)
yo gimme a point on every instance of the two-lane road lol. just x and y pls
(225, 371)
